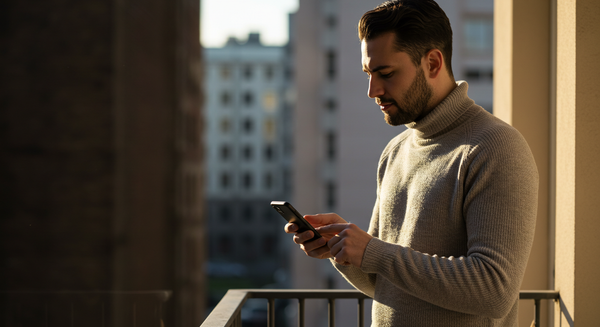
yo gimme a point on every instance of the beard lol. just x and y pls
(414, 103)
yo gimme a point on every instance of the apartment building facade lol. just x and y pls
(247, 155)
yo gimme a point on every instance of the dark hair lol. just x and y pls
(419, 25)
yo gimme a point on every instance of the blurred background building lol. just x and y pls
(248, 148)
(101, 168)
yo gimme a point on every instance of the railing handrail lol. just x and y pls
(539, 295)
(227, 313)
(304, 294)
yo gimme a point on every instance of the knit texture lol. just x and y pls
(453, 222)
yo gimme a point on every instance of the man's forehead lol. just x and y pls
(380, 51)
(387, 39)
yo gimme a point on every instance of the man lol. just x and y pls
(453, 223)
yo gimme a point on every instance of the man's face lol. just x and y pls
(398, 87)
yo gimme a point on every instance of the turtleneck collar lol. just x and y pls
(446, 113)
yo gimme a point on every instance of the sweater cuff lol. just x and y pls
(378, 256)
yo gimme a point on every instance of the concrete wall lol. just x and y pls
(522, 87)
(546, 85)
(577, 155)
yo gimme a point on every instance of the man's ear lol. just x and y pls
(434, 63)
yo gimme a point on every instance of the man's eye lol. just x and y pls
(388, 75)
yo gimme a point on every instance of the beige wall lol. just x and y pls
(521, 98)
(578, 152)
(524, 96)
(565, 161)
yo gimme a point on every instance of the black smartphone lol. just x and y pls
(287, 211)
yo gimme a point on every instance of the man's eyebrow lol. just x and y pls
(376, 69)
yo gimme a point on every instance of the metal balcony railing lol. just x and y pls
(537, 297)
(228, 312)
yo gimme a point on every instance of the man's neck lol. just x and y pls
(441, 92)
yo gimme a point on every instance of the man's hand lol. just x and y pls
(317, 248)
(341, 240)
(347, 242)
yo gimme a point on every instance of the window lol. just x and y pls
(269, 129)
(268, 181)
(269, 101)
(247, 152)
(225, 98)
(225, 152)
(479, 35)
(330, 138)
(269, 152)
(330, 64)
(269, 72)
(248, 99)
(289, 73)
(225, 71)
(225, 181)
(331, 195)
(248, 72)
(472, 74)
(248, 125)
(331, 21)
(248, 213)
(330, 104)
(225, 125)
(247, 181)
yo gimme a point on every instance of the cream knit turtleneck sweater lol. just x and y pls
(453, 223)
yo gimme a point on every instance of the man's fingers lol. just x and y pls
(316, 249)
(332, 229)
(300, 238)
(290, 228)
(342, 262)
(320, 253)
(313, 245)
(339, 253)
(324, 219)
(334, 244)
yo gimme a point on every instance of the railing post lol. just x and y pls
(537, 312)
(331, 312)
(300, 312)
(271, 313)
(361, 312)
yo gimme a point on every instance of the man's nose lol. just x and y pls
(375, 89)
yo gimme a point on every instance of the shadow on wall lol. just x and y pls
(564, 312)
